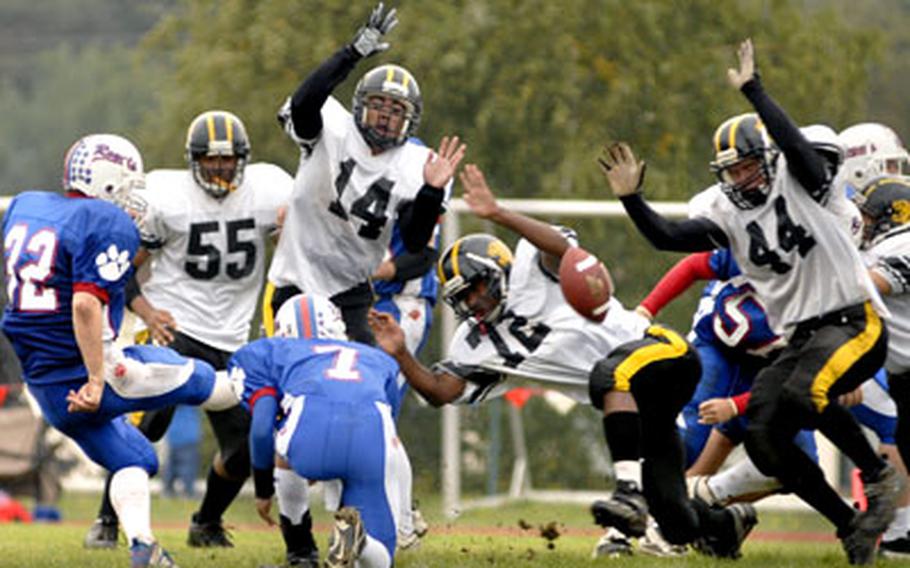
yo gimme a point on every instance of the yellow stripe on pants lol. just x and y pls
(845, 357)
(675, 346)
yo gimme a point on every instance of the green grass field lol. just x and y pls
(488, 537)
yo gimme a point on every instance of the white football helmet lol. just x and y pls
(310, 316)
(872, 150)
(105, 166)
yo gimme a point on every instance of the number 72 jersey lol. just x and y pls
(55, 246)
(539, 338)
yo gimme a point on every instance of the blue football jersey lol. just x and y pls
(54, 246)
(425, 286)
(729, 313)
(325, 368)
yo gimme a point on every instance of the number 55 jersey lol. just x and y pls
(539, 337)
(208, 255)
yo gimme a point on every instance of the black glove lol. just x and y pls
(368, 40)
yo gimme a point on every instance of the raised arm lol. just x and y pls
(625, 176)
(676, 281)
(802, 160)
(306, 102)
(479, 197)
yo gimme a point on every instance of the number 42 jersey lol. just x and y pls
(208, 254)
(539, 338)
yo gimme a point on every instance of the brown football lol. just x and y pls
(586, 283)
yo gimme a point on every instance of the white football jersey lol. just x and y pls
(796, 252)
(343, 207)
(539, 338)
(208, 256)
(890, 258)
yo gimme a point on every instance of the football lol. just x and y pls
(586, 283)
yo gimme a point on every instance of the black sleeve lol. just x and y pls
(412, 265)
(307, 100)
(132, 290)
(264, 483)
(418, 218)
(688, 235)
(802, 160)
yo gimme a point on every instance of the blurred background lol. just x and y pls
(535, 87)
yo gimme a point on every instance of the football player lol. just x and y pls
(806, 269)
(872, 150)
(406, 287)
(885, 205)
(205, 231)
(516, 323)
(359, 173)
(325, 405)
(68, 258)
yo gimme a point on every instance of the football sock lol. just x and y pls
(405, 479)
(623, 433)
(900, 526)
(219, 493)
(742, 478)
(130, 498)
(106, 512)
(838, 425)
(293, 494)
(374, 555)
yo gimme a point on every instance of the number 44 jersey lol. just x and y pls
(208, 255)
(794, 250)
(539, 337)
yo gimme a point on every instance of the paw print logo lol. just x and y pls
(113, 263)
(237, 378)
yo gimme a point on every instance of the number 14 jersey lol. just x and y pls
(344, 205)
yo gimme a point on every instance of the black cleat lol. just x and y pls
(728, 543)
(882, 494)
(208, 535)
(897, 548)
(859, 543)
(626, 510)
(103, 534)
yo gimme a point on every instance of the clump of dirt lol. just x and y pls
(524, 525)
(550, 531)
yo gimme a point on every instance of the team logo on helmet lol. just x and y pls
(885, 201)
(469, 261)
(104, 166)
